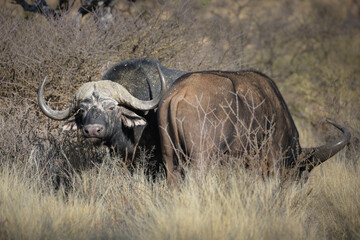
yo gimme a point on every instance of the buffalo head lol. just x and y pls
(106, 113)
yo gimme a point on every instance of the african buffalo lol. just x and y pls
(238, 114)
(118, 112)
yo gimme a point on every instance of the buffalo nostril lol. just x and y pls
(93, 130)
(99, 129)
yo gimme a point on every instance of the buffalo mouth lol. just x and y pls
(94, 140)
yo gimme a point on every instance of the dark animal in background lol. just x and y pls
(102, 8)
(233, 113)
(120, 111)
(42, 7)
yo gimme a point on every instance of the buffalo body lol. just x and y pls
(241, 114)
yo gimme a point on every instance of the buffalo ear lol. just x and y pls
(133, 122)
(70, 125)
(131, 119)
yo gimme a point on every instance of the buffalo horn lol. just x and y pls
(56, 115)
(113, 89)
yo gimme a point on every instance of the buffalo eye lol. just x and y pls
(110, 107)
(81, 113)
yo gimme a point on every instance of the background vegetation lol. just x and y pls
(51, 187)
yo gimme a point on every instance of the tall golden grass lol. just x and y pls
(223, 204)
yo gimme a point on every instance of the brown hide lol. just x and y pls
(225, 112)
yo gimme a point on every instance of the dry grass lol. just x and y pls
(224, 204)
(51, 187)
